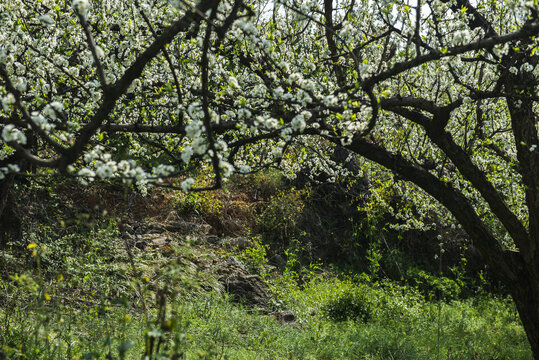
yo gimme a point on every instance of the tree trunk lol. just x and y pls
(10, 222)
(528, 310)
(525, 294)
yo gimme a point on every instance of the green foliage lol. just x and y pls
(373, 257)
(351, 304)
(376, 203)
(255, 257)
(278, 220)
(432, 287)
(403, 325)
(267, 183)
(297, 271)
(202, 203)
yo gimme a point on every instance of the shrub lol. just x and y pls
(255, 257)
(433, 286)
(278, 220)
(351, 304)
(268, 183)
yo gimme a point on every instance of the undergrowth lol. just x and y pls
(92, 304)
(77, 289)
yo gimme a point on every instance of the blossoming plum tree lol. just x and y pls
(442, 93)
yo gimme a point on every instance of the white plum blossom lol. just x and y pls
(199, 145)
(46, 20)
(234, 82)
(123, 166)
(194, 110)
(295, 77)
(290, 72)
(526, 67)
(13, 167)
(286, 133)
(278, 92)
(99, 52)
(56, 105)
(85, 172)
(106, 169)
(21, 85)
(246, 26)
(347, 30)
(186, 154)
(221, 146)
(330, 100)
(226, 167)
(177, 4)
(364, 67)
(303, 97)
(461, 36)
(11, 133)
(244, 113)
(272, 123)
(298, 123)
(81, 7)
(467, 100)
(8, 101)
(194, 129)
(163, 170)
(187, 184)
(244, 169)
(42, 122)
(3, 54)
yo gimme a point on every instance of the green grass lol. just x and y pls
(402, 325)
(212, 327)
(102, 308)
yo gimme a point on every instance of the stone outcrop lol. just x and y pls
(245, 287)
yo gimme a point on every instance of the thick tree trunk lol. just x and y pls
(528, 309)
(10, 222)
(529, 314)
(525, 293)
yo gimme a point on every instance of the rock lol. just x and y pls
(285, 316)
(151, 241)
(213, 239)
(159, 241)
(246, 288)
(231, 264)
(270, 268)
(239, 243)
(177, 226)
